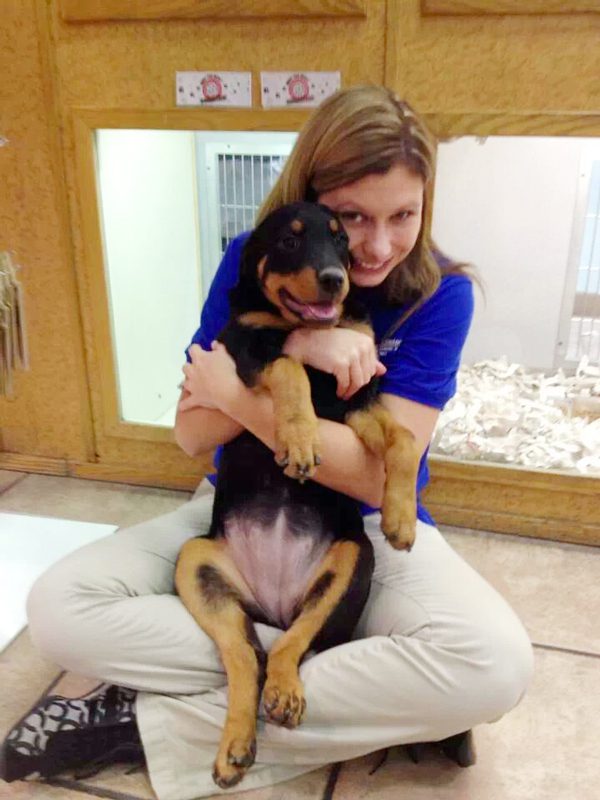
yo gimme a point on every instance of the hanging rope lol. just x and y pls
(13, 341)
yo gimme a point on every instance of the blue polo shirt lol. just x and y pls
(422, 356)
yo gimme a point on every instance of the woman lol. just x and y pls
(436, 650)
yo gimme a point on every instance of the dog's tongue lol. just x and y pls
(321, 311)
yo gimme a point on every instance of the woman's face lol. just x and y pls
(382, 216)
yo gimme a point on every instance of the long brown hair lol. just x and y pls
(357, 132)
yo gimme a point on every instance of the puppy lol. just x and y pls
(283, 549)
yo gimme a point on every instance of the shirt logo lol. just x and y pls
(389, 346)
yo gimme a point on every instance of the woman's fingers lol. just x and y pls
(368, 363)
(194, 351)
(342, 374)
(358, 378)
(363, 366)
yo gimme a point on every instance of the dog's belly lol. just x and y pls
(277, 557)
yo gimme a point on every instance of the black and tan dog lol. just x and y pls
(282, 549)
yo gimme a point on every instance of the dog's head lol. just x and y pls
(299, 259)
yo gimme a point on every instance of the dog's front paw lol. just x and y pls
(235, 757)
(399, 522)
(283, 700)
(298, 448)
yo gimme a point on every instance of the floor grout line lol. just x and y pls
(571, 650)
(16, 481)
(96, 791)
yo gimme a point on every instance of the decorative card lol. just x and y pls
(214, 89)
(290, 89)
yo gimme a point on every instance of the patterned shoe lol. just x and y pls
(63, 733)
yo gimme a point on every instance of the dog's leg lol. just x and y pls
(378, 429)
(212, 590)
(283, 695)
(296, 424)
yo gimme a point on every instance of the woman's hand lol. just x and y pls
(210, 379)
(347, 354)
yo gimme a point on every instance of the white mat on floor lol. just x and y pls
(28, 546)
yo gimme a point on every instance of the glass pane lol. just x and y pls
(160, 194)
(523, 210)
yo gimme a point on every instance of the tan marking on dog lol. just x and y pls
(221, 616)
(283, 694)
(304, 286)
(334, 225)
(264, 319)
(297, 225)
(260, 268)
(396, 445)
(297, 444)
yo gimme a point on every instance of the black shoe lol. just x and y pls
(459, 748)
(62, 733)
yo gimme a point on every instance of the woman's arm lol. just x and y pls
(216, 406)
(347, 465)
(199, 430)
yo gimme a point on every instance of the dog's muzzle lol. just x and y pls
(331, 279)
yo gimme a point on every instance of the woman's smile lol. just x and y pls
(358, 265)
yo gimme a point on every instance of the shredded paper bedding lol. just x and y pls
(505, 413)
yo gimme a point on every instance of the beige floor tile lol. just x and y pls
(305, 787)
(8, 478)
(24, 677)
(545, 749)
(121, 779)
(32, 790)
(89, 501)
(553, 587)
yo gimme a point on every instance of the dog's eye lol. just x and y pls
(341, 237)
(290, 243)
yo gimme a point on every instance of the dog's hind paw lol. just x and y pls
(233, 761)
(284, 704)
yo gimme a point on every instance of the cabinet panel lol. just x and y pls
(104, 10)
(476, 7)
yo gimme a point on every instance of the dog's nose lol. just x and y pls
(331, 279)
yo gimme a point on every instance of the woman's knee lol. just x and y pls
(503, 668)
(81, 593)
(513, 672)
(56, 625)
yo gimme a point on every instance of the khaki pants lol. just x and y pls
(437, 651)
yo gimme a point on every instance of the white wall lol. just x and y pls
(148, 205)
(506, 206)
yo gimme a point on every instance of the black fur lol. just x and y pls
(249, 479)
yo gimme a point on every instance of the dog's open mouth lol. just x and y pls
(319, 312)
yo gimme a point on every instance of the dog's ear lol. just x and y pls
(253, 251)
(247, 293)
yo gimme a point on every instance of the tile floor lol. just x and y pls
(546, 749)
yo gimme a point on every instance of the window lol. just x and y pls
(584, 331)
(235, 170)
